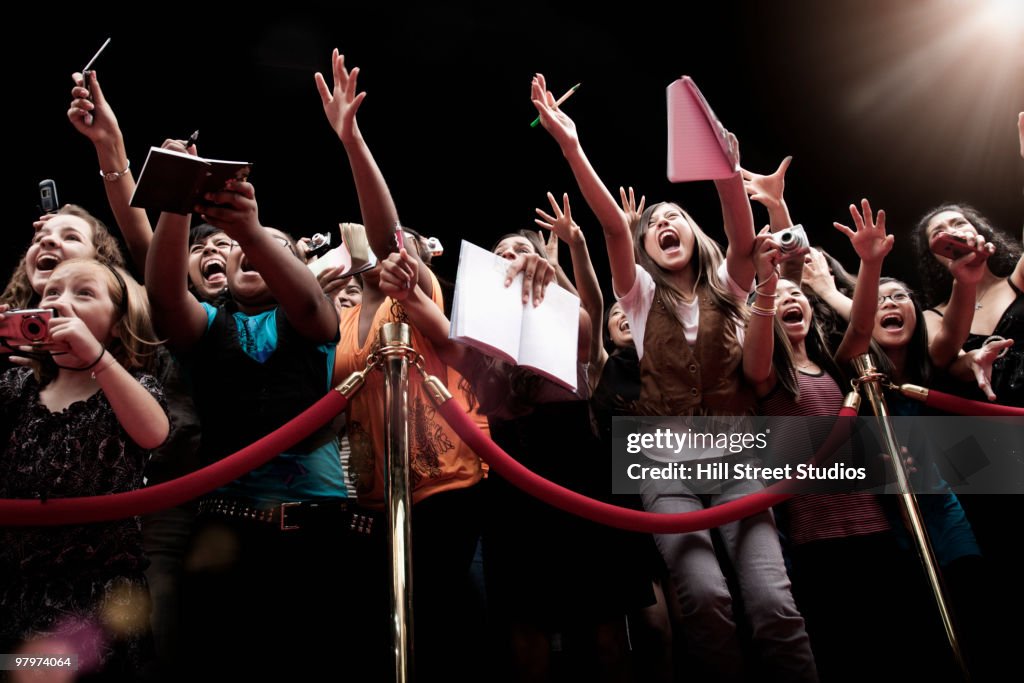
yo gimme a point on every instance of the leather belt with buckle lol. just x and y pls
(292, 516)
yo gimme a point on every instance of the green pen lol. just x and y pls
(561, 100)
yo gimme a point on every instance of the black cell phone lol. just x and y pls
(48, 202)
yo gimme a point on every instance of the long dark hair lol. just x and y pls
(936, 282)
(818, 350)
(918, 368)
(706, 258)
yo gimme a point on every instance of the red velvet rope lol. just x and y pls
(614, 515)
(962, 406)
(168, 494)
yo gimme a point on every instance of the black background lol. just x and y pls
(447, 113)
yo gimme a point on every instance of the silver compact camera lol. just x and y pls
(319, 244)
(792, 242)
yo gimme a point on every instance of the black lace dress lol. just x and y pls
(82, 584)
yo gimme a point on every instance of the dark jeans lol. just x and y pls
(252, 594)
(165, 537)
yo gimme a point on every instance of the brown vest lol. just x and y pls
(704, 380)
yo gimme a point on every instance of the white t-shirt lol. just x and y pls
(636, 304)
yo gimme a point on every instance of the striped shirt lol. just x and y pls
(819, 516)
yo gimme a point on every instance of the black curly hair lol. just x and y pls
(936, 282)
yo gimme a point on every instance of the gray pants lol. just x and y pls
(703, 595)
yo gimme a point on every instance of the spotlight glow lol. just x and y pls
(1003, 16)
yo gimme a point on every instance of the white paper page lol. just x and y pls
(486, 314)
(551, 336)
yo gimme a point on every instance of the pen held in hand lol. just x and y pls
(98, 53)
(192, 139)
(561, 100)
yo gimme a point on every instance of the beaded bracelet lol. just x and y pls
(995, 338)
(111, 176)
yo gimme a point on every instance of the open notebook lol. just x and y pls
(175, 182)
(493, 319)
(698, 146)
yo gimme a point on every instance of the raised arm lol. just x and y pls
(955, 326)
(551, 251)
(564, 227)
(136, 409)
(398, 280)
(139, 413)
(738, 220)
(759, 341)
(177, 315)
(293, 285)
(872, 245)
(375, 202)
(618, 237)
(769, 191)
(94, 118)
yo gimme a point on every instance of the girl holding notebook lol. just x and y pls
(684, 303)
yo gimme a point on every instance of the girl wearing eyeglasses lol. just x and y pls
(913, 355)
(269, 549)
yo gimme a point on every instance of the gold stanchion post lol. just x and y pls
(870, 380)
(395, 351)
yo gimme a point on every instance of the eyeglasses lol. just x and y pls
(897, 298)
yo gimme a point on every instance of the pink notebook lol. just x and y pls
(697, 145)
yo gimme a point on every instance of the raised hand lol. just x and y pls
(554, 121)
(332, 280)
(869, 241)
(37, 224)
(767, 189)
(630, 207)
(970, 268)
(766, 255)
(233, 209)
(816, 272)
(176, 145)
(72, 341)
(93, 117)
(561, 223)
(398, 274)
(734, 148)
(342, 102)
(981, 360)
(537, 275)
(550, 246)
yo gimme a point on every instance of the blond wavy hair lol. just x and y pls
(19, 292)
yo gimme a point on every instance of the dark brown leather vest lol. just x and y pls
(704, 380)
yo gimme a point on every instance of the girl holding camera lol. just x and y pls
(80, 422)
